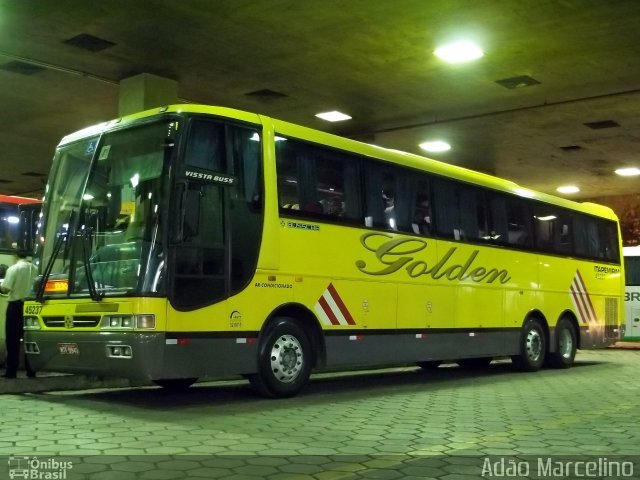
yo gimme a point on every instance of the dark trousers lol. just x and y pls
(14, 330)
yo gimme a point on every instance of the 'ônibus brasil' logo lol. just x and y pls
(396, 253)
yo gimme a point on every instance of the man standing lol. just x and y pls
(17, 284)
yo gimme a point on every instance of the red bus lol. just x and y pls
(19, 217)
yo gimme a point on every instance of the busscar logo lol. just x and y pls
(228, 180)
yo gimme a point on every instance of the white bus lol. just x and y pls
(632, 293)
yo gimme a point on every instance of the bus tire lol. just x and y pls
(284, 360)
(474, 363)
(175, 384)
(533, 347)
(565, 345)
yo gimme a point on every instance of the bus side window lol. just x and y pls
(206, 148)
(446, 208)
(388, 197)
(587, 239)
(460, 211)
(375, 202)
(632, 271)
(553, 229)
(608, 240)
(318, 182)
(421, 216)
(473, 214)
(498, 224)
(519, 228)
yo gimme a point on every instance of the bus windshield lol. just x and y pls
(632, 269)
(18, 220)
(103, 223)
(9, 228)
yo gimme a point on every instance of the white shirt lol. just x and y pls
(19, 279)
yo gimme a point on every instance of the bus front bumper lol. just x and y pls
(108, 354)
(139, 355)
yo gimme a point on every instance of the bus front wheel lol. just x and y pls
(565, 345)
(533, 347)
(284, 360)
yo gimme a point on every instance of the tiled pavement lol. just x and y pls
(398, 423)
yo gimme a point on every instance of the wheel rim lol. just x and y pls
(534, 345)
(286, 358)
(565, 343)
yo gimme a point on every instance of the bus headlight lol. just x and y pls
(117, 322)
(31, 322)
(147, 321)
(128, 322)
(119, 351)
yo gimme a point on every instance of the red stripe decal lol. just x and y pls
(585, 305)
(327, 309)
(340, 304)
(584, 288)
(578, 304)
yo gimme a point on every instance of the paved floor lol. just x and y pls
(400, 423)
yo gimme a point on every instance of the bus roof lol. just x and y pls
(394, 156)
(17, 200)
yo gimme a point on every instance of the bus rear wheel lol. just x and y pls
(533, 347)
(284, 360)
(565, 345)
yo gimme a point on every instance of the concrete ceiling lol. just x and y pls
(371, 59)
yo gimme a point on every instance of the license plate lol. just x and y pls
(68, 349)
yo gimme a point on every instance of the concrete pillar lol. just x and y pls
(145, 91)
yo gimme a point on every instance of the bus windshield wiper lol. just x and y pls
(93, 292)
(62, 237)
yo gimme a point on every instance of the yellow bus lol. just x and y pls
(191, 242)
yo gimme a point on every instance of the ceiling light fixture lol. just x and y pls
(568, 189)
(333, 116)
(435, 146)
(459, 52)
(628, 172)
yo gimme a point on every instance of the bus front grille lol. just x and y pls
(73, 321)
